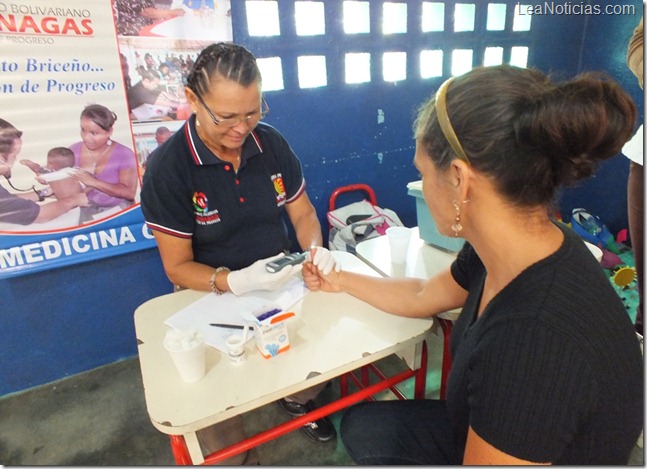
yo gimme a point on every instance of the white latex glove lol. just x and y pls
(324, 260)
(256, 277)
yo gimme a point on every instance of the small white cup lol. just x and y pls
(399, 237)
(187, 350)
(236, 349)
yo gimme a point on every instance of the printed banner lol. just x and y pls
(89, 90)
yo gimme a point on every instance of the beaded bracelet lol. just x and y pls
(212, 280)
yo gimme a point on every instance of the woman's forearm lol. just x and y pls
(408, 297)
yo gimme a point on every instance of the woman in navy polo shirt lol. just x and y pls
(215, 194)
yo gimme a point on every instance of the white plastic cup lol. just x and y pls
(187, 349)
(236, 349)
(399, 237)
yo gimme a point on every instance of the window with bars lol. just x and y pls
(350, 42)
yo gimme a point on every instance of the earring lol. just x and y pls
(197, 122)
(457, 227)
(109, 142)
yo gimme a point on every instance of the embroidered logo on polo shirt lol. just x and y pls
(279, 188)
(203, 216)
(200, 203)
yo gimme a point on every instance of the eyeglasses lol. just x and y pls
(233, 121)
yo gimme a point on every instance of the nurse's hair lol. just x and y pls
(223, 60)
(530, 136)
(8, 135)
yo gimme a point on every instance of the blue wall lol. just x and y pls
(61, 322)
(567, 45)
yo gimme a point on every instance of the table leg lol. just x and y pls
(186, 449)
(343, 385)
(180, 451)
(365, 376)
(193, 446)
(421, 372)
(446, 325)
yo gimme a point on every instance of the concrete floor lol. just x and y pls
(99, 418)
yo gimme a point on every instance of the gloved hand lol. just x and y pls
(256, 277)
(324, 260)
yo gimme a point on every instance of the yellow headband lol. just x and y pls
(445, 125)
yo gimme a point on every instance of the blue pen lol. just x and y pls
(268, 314)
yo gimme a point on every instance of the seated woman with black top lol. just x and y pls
(546, 364)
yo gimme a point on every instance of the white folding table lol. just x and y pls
(331, 335)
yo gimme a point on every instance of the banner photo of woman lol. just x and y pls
(72, 151)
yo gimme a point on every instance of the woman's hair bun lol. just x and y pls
(577, 124)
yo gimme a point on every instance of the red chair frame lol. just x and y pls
(350, 188)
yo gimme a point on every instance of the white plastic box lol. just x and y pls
(272, 339)
(271, 332)
(426, 224)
